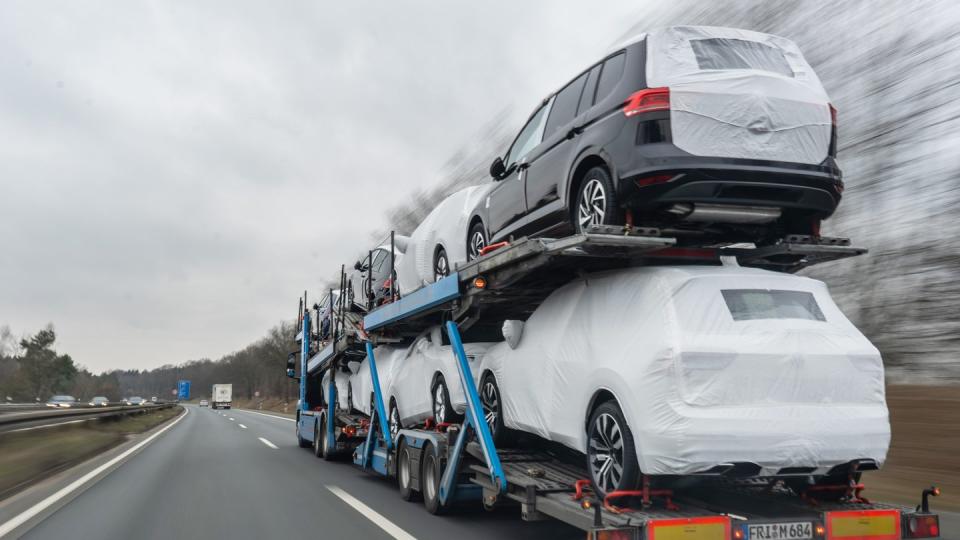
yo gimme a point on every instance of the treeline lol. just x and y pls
(258, 367)
(31, 369)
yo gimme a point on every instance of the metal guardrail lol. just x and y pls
(15, 420)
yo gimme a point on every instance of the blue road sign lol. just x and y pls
(183, 390)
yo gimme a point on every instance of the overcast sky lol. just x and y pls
(174, 174)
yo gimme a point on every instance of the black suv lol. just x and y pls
(602, 150)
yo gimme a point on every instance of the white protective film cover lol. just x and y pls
(343, 382)
(697, 387)
(361, 383)
(446, 226)
(426, 361)
(740, 94)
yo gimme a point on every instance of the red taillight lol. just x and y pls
(651, 99)
(923, 527)
(651, 180)
(833, 115)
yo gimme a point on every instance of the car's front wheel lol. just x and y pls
(394, 425)
(441, 265)
(492, 408)
(596, 201)
(611, 455)
(442, 408)
(476, 241)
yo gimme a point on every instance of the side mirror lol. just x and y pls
(497, 168)
(291, 364)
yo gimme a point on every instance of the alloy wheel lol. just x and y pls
(441, 267)
(606, 452)
(476, 245)
(593, 204)
(439, 404)
(394, 423)
(491, 404)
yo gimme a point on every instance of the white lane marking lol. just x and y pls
(23, 517)
(233, 419)
(48, 425)
(268, 443)
(270, 415)
(369, 513)
(242, 426)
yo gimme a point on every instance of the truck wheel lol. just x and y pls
(431, 472)
(301, 442)
(317, 445)
(611, 456)
(404, 468)
(328, 448)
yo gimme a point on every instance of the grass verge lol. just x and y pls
(29, 456)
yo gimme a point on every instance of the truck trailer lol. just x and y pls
(451, 464)
(220, 396)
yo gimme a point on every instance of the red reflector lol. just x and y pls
(923, 527)
(651, 180)
(651, 99)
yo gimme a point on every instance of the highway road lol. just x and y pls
(239, 474)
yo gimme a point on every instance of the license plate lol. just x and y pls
(799, 530)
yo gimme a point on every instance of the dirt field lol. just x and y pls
(925, 449)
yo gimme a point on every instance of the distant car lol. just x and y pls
(704, 130)
(204, 403)
(99, 401)
(136, 400)
(62, 402)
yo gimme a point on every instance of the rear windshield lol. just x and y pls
(727, 53)
(753, 304)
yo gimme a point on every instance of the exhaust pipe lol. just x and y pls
(721, 213)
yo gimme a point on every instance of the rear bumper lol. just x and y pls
(772, 438)
(815, 191)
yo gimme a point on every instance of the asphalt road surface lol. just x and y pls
(239, 474)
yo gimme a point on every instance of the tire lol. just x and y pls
(350, 406)
(394, 424)
(611, 455)
(441, 265)
(317, 444)
(440, 402)
(595, 202)
(431, 473)
(301, 442)
(328, 449)
(492, 403)
(404, 466)
(476, 240)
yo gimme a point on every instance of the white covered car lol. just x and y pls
(693, 369)
(437, 246)
(427, 384)
(342, 380)
(360, 387)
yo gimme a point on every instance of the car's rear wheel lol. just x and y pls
(492, 407)
(394, 425)
(611, 455)
(442, 408)
(596, 201)
(476, 241)
(441, 265)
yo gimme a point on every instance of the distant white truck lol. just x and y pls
(221, 395)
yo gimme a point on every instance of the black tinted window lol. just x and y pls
(528, 139)
(565, 105)
(722, 53)
(586, 98)
(610, 76)
(752, 304)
